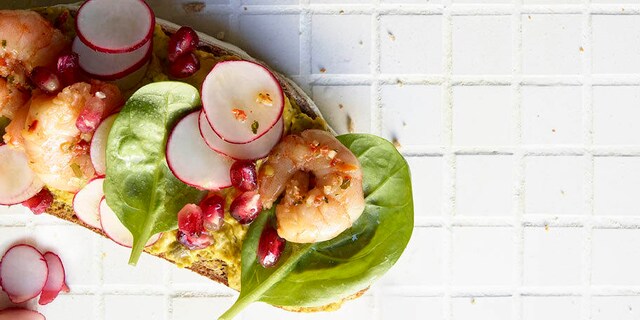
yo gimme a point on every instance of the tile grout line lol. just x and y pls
(519, 159)
(168, 294)
(306, 33)
(99, 260)
(449, 161)
(587, 118)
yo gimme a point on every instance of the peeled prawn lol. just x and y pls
(11, 99)
(322, 184)
(28, 40)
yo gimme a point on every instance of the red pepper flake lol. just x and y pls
(33, 126)
(239, 114)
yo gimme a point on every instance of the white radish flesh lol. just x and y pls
(115, 26)
(242, 100)
(23, 273)
(20, 314)
(98, 150)
(17, 181)
(55, 281)
(111, 66)
(255, 149)
(86, 203)
(115, 230)
(192, 161)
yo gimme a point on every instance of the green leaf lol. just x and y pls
(321, 273)
(139, 186)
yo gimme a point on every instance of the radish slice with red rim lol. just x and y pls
(55, 280)
(18, 182)
(23, 273)
(20, 314)
(98, 149)
(115, 230)
(115, 26)
(86, 203)
(253, 150)
(111, 66)
(242, 100)
(192, 161)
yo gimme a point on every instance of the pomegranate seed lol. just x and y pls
(270, 246)
(45, 80)
(213, 212)
(190, 220)
(244, 176)
(184, 66)
(195, 242)
(246, 206)
(68, 68)
(39, 203)
(184, 41)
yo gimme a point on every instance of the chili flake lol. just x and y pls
(239, 114)
(264, 98)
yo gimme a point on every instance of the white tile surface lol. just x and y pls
(518, 119)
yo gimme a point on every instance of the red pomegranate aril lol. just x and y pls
(184, 41)
(213, 212)
(45, 80)
(246, 206)
(39, 203)
(195, 242)
(270, 246)
(190, 220)
(184, 66)
(68, 69)
(244, 176)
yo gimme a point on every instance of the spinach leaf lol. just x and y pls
(139, 186)
(320, 273)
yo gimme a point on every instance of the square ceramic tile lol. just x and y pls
(350, 33)
(615, 257)
(208, 21)
(471, 308)
(552, 1)
(270, 2)
(616, 307)
(482, 45)
(421, 262)
(613, 180)
(148, 271)
(555, 185)
(345, 107)
(430, 2)
(411, 308)
(552, 115)
(126, 307)
(484, 185)
(362, 307)
(482, 115)
(615, 110)
(481, 1)
(426, 179)
(71, 306)
(411, 44)
(553, 256)
(482, 256)
(282, 31)
(185, 279)
(551, 43)
(412, 114)
(551, 308)
(200, 308)
(616, 44)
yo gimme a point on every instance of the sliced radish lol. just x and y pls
(242, 100)
(23, 273)
(20, 314)
(115, 230)
(18, 182)
(55, 281)
(132, 79)
(256, 149)
(86, 203)
(111, 66)
(98, 150)
(115, 26)
(192, 161)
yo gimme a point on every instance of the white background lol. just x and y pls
(518, 118)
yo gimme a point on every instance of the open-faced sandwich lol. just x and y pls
(181, 146)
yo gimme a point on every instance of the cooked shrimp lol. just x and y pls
(11, 99)
(27, 40)
(322, 184)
